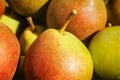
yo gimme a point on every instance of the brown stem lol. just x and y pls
(109, 25)
(74, 12)
(30, 21)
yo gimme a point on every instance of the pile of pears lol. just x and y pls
(59, 40)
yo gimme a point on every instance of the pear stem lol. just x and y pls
(74, 12)
(30, 21)
(109, 25)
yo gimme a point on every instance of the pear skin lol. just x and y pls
(12, 23)
(9, 53)
(104, 48)
(2, 7)
(26, 7)
(91, 17)
(56, 56)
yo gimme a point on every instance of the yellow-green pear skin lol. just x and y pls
(26, 7)
(12, 23)
(2, 7)
(56, 56)
(28, 37)
(105, 50)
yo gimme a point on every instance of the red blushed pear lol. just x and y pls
(91, 17)
(2, 7)
(9, 53)
(58, 55)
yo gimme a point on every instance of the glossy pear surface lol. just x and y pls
(56, 56)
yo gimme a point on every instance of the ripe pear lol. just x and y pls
(58, 55)
(29, 35)
(114, 12)
(26, 7)
(2, 7)
(104, 48)
(91, 17)
(9, 53)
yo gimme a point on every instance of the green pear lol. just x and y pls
(12, 23)
(58, 55)
(104, 48)
(29, 35)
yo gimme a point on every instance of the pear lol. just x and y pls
(104, 48)
(114, 12)
(29, 35)
(26, 7)
(2, 7)
(12, 23)
(91, 17)
(9, 53)
(58, 55)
